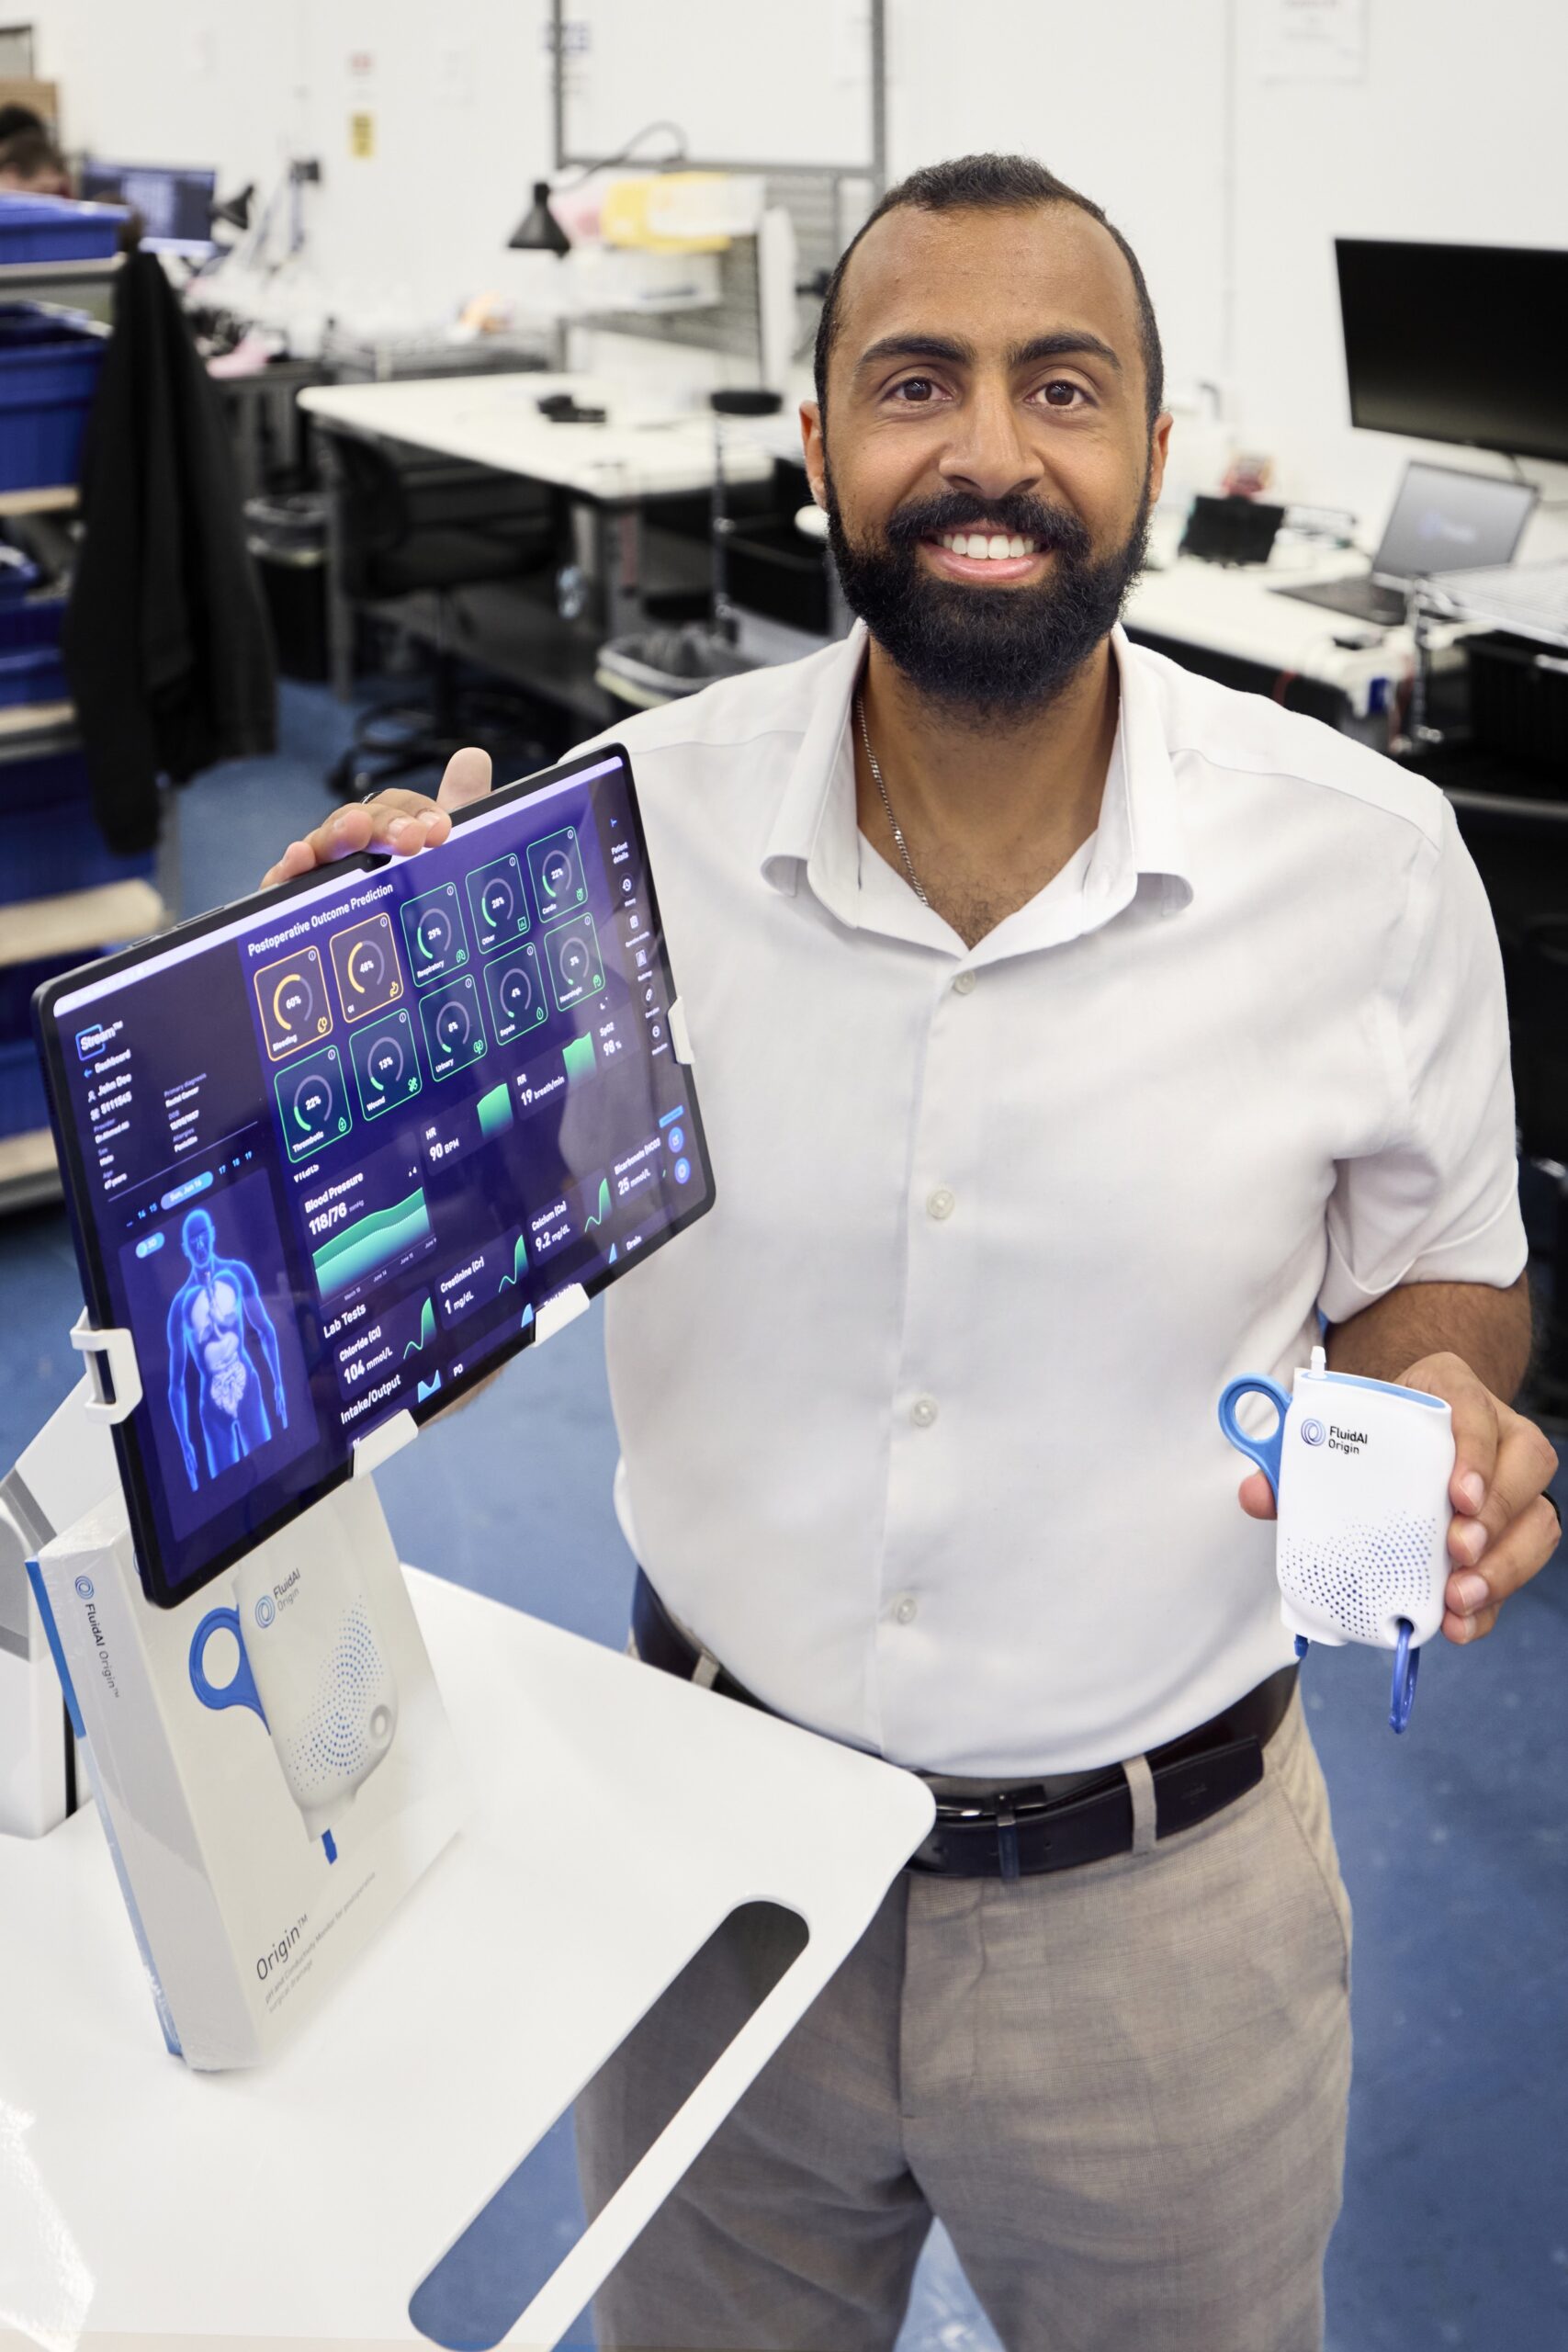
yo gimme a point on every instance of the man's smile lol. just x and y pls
(992, 557)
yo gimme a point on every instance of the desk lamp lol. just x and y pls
(539, 232)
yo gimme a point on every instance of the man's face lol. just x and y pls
(197, 1237)
(986, 385)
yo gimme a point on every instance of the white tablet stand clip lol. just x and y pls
(116, 1347)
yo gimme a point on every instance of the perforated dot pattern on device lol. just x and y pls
(1366, 1579)
(348, 1726)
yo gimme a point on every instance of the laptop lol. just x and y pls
(1442, 521)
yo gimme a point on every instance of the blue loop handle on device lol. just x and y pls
(241, 1691)
(1407, 1666)
(1264, 1450)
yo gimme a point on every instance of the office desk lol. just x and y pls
(612, 470)
(1227, 618)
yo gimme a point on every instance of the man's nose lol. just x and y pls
(990, 451)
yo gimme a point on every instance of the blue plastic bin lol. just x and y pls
(18, 982)
(30, 666)
(18, 577)
(23, 1103)
(47, 780)
(53, 227)
(48, 849)
(48, 373)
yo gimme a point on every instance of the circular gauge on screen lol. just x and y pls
(313, 1102)
(434, 933)
(516, 991)
(367, 967)
(452, 1026)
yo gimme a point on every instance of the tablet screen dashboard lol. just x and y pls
(329, 1152)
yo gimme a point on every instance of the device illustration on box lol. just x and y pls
(313, 1667)
(1359, 1470)
(242, 1927)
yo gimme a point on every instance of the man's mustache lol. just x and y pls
(1015, 512)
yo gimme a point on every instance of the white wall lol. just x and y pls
(1231, 187)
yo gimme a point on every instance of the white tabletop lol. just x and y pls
(1233, 609)
(621, 1816)
(642, 451)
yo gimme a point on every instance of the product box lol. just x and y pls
(271, 1760)
(67, 1469)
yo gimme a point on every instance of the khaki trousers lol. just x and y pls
(1121, 2087)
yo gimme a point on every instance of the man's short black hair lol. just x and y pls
(992, 184)
(14, 118)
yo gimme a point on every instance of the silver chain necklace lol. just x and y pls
(896, 829)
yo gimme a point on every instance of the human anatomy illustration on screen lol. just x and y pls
(214, 1312)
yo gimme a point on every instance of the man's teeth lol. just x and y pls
(993, 543)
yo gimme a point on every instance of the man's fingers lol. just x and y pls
(466, 779)
(395, 820)
(297, 859)
(1459, 1630)
(1525, 1464)
(1257, 1496)
(1518, 1555)
(1474, 1412)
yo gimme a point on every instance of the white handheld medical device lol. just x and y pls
(313, 1667)
(1360, 1472)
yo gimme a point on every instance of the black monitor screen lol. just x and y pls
(1458, 343)
(176, 205)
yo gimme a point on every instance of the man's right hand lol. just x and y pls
(401, 821)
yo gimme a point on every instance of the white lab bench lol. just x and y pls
(642, 450)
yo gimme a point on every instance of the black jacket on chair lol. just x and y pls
(166, 644)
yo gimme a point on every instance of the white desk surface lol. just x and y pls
(1233, 609)
(640, 451)
(620, 1816)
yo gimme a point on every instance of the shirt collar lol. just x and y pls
(814, 829)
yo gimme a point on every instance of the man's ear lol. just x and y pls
(813, 450)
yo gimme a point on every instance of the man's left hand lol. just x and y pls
(1504, 1530)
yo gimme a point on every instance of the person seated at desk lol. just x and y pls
(15, 118)
(30, 162)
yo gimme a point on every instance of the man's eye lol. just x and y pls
(916, 390)
(1062, 384)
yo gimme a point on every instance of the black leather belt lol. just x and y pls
(1020, 1830)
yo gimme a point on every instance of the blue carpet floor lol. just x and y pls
(1454, 1840)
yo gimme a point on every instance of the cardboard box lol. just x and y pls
(271, 1759)
(41, 98)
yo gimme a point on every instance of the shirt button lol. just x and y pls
(922, 1412)
(939, 1204)
(907, 1610)
(963, 983)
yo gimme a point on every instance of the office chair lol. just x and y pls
(438, 528)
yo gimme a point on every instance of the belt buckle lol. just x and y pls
(1004, 1812)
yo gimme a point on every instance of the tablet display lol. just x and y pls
(330, 1151)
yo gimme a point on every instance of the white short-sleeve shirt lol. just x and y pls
(918, 1426)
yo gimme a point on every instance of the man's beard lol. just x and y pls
(997, 653)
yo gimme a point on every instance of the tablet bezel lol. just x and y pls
(78, 1191)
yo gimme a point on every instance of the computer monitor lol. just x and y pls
(175, 203)
(1446, 521)
(1456, 342)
